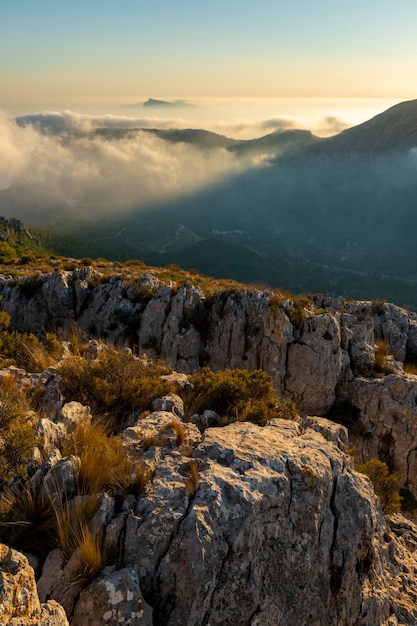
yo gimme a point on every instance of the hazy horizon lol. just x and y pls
(240, 118)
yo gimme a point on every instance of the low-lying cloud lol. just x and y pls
(56, 123)
(64, 173)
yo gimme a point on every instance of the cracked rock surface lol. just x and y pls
(280, 530)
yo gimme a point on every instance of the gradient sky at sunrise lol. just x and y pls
(223, 48)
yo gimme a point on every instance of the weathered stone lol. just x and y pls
(388, 422)
(19, 601)
(153, 320)
(72, 414)
(18, 588)
(53, 614)
(58, 296)
(103, 515)
(61, 480)
(173, 404)
(314, 365)
(57, 582)
(168, 431)
(112, 599)
(280, 526)
(52, 435)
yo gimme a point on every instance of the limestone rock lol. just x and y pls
(171, 403)
(280, 527)
(168, 431)
(56, 582)
(153, 320)
(314, 365)
(19, 601)
(112, 599)
(53, 614)
(180, 340)
(60, 482)
(388, 422)
(73, 413)
(58, 296)
(52, 435)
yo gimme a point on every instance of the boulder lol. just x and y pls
(113, 598)
(73, 413)
(19, 601)
(61, 481)
(278, 528)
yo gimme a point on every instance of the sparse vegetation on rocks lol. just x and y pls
(161, 465)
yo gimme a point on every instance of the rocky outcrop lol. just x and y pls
(114, 598)
(277, 527)
(318, 353)
(280, 530)
(19, 601)
(237, 525)
(231, 329)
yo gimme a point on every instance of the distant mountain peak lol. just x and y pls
(152, 102)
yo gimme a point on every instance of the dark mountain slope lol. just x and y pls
(345, 204)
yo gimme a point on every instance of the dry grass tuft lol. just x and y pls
(410, 368)
(381, 364)
(149, 441)
(142, 477)
(192, 479)
(89, 559)
(178, 428)
(28, 517)
(105, 463)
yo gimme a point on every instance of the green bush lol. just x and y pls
(386, 485)
(17, 439)
(239, 394)
(115, 384)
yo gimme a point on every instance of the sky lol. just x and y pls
(56, 54)
(250, 69)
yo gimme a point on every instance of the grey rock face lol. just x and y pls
(114, 598)
(232, 329)
(314, 364)
(60, 482)
(280, 527)
(331, 358)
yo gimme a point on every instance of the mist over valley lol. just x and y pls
(287, 208)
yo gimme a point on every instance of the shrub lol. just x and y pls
(297, 314)
(378, 307)
(381, 364)
(235, 393)
(28, 518)
(115, 384)
(17, 439)
(75, 337)
(28, 352)
(4, 320)
(104, 461)
(386, 485)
